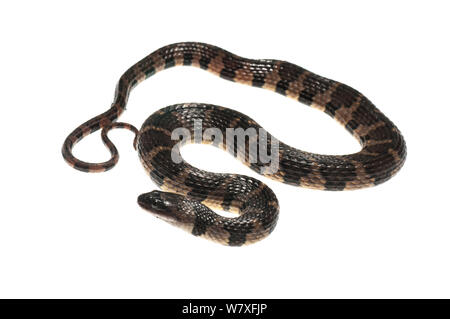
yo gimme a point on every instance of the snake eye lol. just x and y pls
(158, 204)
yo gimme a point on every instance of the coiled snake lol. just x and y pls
(189, 191)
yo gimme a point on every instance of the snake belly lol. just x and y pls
(383, 150)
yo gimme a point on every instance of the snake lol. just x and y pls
(188, 195)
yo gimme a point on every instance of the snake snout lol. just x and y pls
(161, 204)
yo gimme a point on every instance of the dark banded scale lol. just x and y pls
(382, 155)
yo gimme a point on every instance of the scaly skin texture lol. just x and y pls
(382, 155)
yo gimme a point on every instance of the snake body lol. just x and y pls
(189, 193)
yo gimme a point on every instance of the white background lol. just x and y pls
(64, 233)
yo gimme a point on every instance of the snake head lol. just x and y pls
(165, 206)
